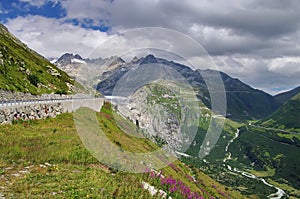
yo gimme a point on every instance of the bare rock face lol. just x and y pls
(159, 121)
(158, 113)
(88, 72)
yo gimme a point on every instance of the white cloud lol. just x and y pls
(288, 66)
(39, 3)
(270, 75)
(93, 9)
(238, 27)
(52, 37)
(2, 11)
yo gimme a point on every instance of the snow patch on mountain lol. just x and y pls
(74, 60)
(53, 61)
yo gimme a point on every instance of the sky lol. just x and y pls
(253, 40)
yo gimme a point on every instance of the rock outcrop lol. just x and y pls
(160, 115)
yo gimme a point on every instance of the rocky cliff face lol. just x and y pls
(159, 114)
(154, 118)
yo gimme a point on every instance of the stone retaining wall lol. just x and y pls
(31, 112)
(44, 109)
(18, 96)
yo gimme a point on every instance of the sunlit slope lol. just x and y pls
(46, 159)
(22, 69)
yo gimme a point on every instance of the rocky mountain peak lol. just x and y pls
(135, 59)
(116, 61)
(77, 56)
(68, 57)
(149, 59)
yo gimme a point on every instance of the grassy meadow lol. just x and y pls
(46, 159)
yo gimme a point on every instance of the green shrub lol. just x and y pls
(33, 80)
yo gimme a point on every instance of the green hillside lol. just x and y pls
(46, 159)
(269, 154)
(284, 97)
(287, 117)
(23, 70)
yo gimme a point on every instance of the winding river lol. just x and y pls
(278, 195)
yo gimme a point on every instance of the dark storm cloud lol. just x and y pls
(251, 26)
(261, 18)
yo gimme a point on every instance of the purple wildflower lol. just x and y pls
(170, 181)
(173, 166)
(192, 195)
(190, 178)
(152, 174)
(163, 181)
(147, 170)
(185, 190)
(173, 189)
(179, 182)
(159, 174)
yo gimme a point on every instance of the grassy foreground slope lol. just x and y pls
(23, 70)
(46, 159)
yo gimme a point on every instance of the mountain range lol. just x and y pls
(243, 101)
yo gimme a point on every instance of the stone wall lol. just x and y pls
(18, 96)
(30, 112)
(45, 109)
(25, 106)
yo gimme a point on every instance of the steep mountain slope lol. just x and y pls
(243, 101)
(287, 117)
(284, 97)
(22, 69)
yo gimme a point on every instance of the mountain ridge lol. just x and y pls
(286, 117)
(285, 96)
(243, 101)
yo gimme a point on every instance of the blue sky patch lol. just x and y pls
(89, 24)
(14, 8)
